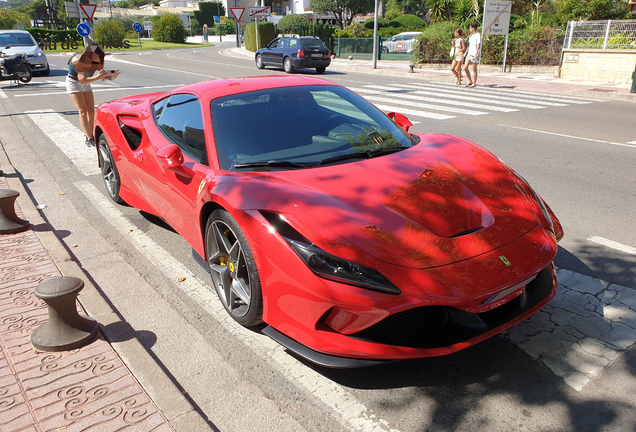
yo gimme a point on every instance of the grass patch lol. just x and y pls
(134, 46)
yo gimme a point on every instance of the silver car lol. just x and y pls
(19, 42)
(400, 43)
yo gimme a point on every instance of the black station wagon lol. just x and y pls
(295, 52)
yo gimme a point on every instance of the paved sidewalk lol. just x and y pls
(91, 388)
(530, 81)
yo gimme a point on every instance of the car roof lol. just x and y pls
(14, 31)
(227, 86)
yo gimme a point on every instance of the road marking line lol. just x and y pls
(370, 95)
(181, 71)
(570, 136)
(613, 245)
(97, 90)
(463, 96)
(632, 142)
(3, 95)
(68, 138)
(345, 408)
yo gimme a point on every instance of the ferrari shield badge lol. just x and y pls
(505, 261)
(201, 186)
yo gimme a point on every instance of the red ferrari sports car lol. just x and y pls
(353, 240)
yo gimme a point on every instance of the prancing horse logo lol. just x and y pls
(505, 261)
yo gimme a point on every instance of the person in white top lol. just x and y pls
(474, 43)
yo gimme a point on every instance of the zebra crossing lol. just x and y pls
(440, 101)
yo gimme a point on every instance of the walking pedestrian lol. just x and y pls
(81, 73)
(459, 48)
(472, 58)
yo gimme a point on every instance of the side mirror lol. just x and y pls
(41, 45)
(401, 120)
(171, 157)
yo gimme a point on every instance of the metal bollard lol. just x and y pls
(411, 66)
(633, 82)
(66, 329)
(10, 223)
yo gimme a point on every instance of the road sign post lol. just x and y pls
(138, 29)
(496, 21)
(255, 12)
(238, 13)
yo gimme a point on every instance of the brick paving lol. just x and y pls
(84, 389)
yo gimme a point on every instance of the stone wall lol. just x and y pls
(609, 66)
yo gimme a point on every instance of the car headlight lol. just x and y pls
(337, 269)
(39, 54)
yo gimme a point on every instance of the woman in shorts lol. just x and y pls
(81, 73)
(458, 58)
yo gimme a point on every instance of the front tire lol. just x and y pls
(288, 66)
(320, 70)
(259, 62)
(110, 175)
(233, 269)
(25, 76)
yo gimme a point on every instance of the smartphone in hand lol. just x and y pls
(110, 72)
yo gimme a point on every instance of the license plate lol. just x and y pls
(316, 55)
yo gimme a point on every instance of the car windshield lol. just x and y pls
(312, 43)
(16, 40)
(305, 125)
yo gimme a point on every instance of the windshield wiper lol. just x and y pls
(274, 164)
(363, 155)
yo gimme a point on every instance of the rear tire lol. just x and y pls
(320, 70)
(259, 62)
(288, 66)
(110, 175)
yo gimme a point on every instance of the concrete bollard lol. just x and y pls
(633, 90)
(10, 223)
(66, 329)
(411, 66)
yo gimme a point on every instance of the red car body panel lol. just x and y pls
(435, 219)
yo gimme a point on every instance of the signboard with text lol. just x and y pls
(496, 17)
(254, 12)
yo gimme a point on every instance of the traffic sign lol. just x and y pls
(83, 29)
(87, 10)
(216, 19)
(147, 25)
(259, 11)
(496, 17)
(137, 27)
(72, 9)
(237, 12)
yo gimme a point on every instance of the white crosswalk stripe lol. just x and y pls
(507, 93)
(459, 93)
(377, 95)
(441, 97)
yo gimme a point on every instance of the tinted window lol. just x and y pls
(274, 44)
(299, 124)
(293, 43)
(180, 118)
(313, 43)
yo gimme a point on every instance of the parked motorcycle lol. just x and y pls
(15, 67)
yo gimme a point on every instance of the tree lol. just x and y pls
(441, 10)
(207, 11)
(291, 23)
(12, 19)
(343, 10)
(592, 9)
(109, 32)
(169, 29)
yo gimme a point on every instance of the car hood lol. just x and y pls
(28, 50)
(442, 201)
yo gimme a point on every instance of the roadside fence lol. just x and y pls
(609, 34)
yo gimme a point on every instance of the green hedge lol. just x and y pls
(266, 34)
(54, 36)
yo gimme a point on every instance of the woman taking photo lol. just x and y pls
(459, 47)
(81, 73)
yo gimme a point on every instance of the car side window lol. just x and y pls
(274, 44)
(181, 120)
(293, 43)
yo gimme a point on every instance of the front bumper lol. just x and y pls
(37, 63)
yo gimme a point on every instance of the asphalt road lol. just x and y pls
(574, 154)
